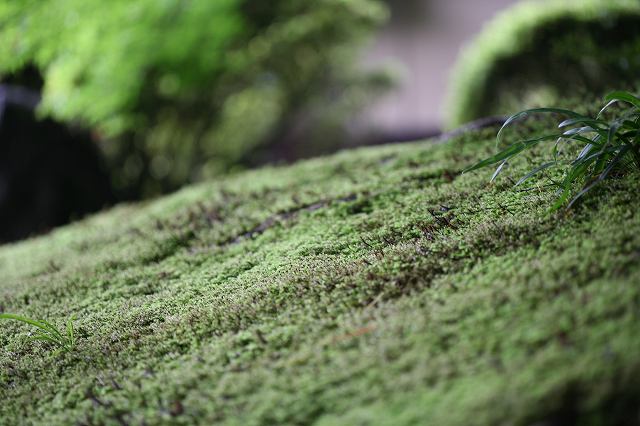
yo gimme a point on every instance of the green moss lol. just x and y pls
(376, 286)
(544, 53)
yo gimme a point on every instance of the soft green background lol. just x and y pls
(177, 91)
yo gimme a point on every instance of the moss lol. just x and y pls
(373, 286)
(544, 53)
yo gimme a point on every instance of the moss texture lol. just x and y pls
(377, 286)
(544, 52)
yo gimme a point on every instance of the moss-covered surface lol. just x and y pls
(377, 286)
(543, 52)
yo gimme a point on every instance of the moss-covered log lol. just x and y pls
(378, 286)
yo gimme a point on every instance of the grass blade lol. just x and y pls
(525, 113)
(54, 330)
(498, 170)
(70, 335)
(601, 177)
(510, 152)
(584, 121)
(25, 320)
(47, 331)
(535, 172)
(622, 96)
(48, 339)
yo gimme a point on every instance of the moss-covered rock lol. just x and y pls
(378, 286)
(541, 53)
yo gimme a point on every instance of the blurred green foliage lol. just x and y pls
(179, 90)
(547, 52)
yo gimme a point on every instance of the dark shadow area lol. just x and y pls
(49, 173)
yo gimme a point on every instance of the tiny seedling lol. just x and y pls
(47, 332)
(601, 146)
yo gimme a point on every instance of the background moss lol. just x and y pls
(179, 91)
(543, 53)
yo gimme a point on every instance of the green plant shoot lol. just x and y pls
(604, 147)
(47, 332)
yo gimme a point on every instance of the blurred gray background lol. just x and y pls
(422, 41)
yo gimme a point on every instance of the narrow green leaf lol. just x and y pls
(54, 330)
(601, 177)
(606, 107)
(612, 132)
(70, 334)
(622, 96)
(599, 154)
(507, 153)
(586, 141)
(45, 338)
(587, 148)
(522, 114)
(25, 320)
(584, 130)
(498, 170)
(584, 121)
(535, 171)
(510, 152)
